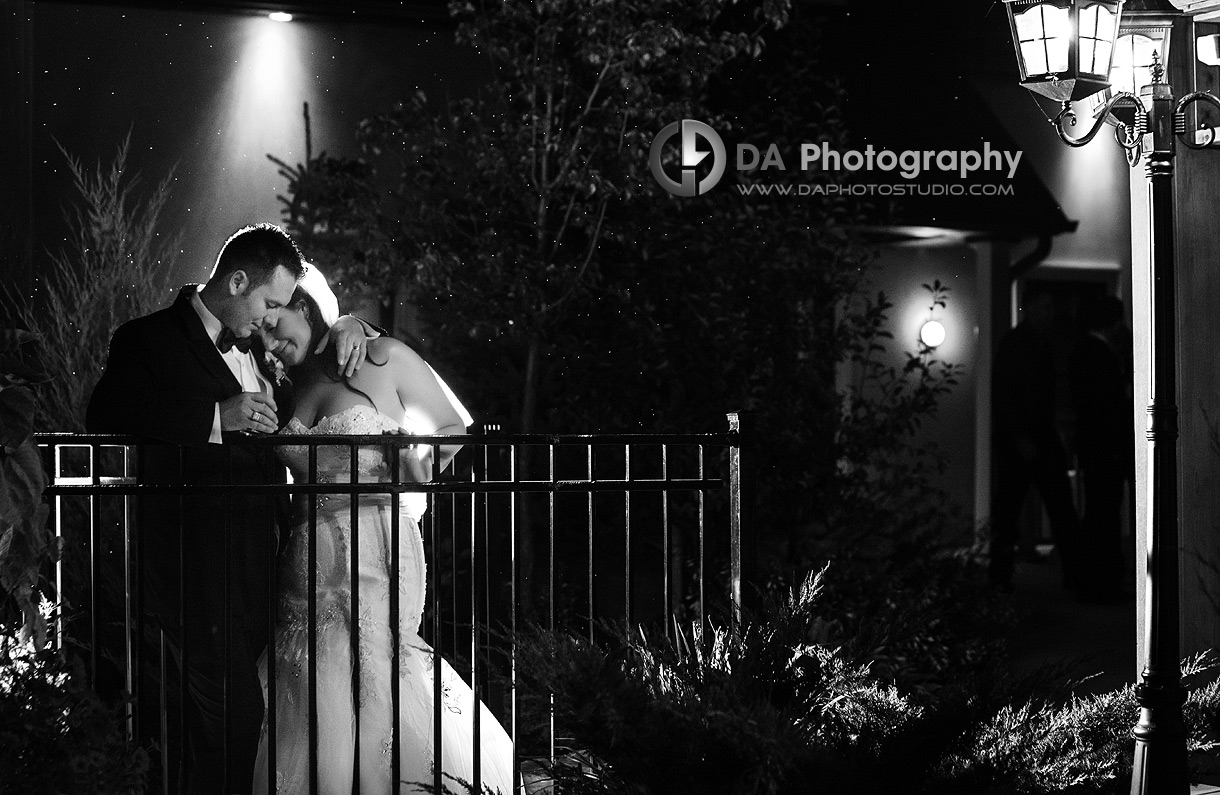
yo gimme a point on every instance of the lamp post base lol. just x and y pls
(1159, 767)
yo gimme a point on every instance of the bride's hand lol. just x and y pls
(414, 461)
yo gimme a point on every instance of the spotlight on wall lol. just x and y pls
(932, 333)
(279, 16)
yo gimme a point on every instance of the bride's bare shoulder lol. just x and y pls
(394, 352)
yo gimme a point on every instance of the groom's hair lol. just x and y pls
(258, 250)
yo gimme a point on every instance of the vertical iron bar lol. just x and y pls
(131, 614)
(95, 563)
(226, 713)
(311, 629)
(481, 573)
(437, 684)
(395, 621)
(667, 604)
(272, 590)
(184, 682)
(589, 527)
(735, 517)
(163, 708)
(512, 693)
(627, 536)
(475, 555)
(550, 588)
(455, 611)
(61, 618)
(354, 583)
(702, 551)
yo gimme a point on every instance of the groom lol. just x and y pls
(188, 375)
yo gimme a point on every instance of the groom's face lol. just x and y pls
(256, 306)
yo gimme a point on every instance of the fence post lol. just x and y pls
(741, 497)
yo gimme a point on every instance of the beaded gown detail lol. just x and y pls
(352, 702)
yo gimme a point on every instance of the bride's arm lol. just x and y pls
(429, 406)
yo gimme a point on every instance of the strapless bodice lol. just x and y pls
(334, 462)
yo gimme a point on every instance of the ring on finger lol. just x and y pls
(255, 416)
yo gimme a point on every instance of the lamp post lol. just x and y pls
(1065, 48)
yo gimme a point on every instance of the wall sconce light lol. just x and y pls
(279, 16)
(932, 333)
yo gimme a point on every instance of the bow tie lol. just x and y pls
(230, 340)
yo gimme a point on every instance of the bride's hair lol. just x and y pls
(303, 302)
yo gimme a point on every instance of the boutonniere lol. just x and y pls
(276, 368)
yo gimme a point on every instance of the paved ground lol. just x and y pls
(1054, 628)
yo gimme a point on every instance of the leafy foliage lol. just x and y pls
(27, 544)
(113, 268)
(766, 707)
(56, 735)
(884, 480)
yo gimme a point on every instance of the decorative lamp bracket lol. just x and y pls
(1128, 136)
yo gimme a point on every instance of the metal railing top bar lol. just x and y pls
(438, 487)
(728, 438)
(95, 481)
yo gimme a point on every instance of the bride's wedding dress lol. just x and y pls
(337, 698)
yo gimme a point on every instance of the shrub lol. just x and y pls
(56, 735)
(113, 268)
(764, 708)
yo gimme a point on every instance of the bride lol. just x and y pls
(393, 391)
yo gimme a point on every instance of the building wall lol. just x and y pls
(210, 95)
(900, 272)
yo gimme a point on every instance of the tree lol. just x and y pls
(496, 211)
(568, 291)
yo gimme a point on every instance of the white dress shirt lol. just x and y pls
(241, 364)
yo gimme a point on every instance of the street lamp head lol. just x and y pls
(1064, 47)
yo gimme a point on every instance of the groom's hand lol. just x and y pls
(350, 340)
(248, 411)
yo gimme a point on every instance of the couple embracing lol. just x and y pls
(198, 375)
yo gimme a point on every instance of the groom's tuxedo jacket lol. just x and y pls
(163, 379)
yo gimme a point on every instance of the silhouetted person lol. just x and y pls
(1104, 446)
(1028, 450)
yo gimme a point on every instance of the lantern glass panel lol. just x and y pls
(1132, 67)
(1034, 54)
(1044, 32)
(1088, 48)
(1096, 34)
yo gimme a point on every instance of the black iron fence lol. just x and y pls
(565, 532)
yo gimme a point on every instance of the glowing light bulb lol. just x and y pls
(279, 16)
(932, 333)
